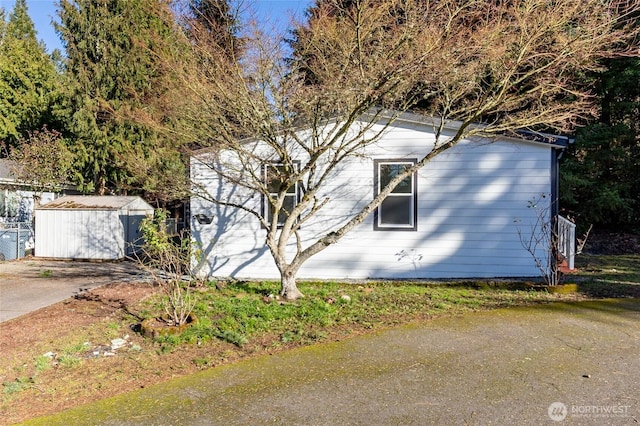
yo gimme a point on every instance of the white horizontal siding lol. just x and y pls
(472, 201)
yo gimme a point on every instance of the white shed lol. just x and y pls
(90, 227)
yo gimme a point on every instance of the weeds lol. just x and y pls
(69, 361)
(42, 363)
(18, 385)
(240, 311)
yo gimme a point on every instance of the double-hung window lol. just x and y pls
(275, 175)
(398, 211)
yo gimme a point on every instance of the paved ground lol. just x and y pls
(562, 364)
(27, 285)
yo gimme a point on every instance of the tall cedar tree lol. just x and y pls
(112, 73)
(28, 79)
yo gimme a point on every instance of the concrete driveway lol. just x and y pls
(27, 285)
(567, 364)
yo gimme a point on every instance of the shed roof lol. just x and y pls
(94, 202)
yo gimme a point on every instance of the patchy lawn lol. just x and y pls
(89, 347)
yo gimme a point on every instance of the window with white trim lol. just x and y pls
(399, 210)
(275, 175)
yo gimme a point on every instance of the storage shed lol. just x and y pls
(90, 227)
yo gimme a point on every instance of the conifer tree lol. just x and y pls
(216, 20)
(601, 171)
(111, 73)
(27, 78)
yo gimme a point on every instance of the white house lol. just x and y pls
(18, 199)
(458, 217)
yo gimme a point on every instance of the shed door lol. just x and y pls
(134, 236)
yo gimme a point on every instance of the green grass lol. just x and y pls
(241, 312)
(607, 276)
(45, 274)
(18, 385)
(42, 363)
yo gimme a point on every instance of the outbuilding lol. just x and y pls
(90, 227)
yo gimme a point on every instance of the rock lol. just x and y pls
(118, 343)
(50, 355)
(346, 298)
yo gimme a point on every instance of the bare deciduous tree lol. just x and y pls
(43, 161)
(494, 66)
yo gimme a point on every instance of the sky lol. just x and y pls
(42, 12)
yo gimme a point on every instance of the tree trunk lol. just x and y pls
(289, 290)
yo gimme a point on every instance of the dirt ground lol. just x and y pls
(37, 374)
(29, 284)
(49, 330)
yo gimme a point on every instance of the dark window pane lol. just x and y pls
(276, 175)
(396, 211)
(287, 208)
(389, 171)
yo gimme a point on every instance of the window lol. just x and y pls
(275, 175)
(399, 210)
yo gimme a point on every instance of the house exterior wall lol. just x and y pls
(18, 205)
(472, 201)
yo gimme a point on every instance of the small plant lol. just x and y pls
(542, 241)
(42, 363)
(68, 361)
(232, 337)
(169, 263)
(45, 274)
(18, 385)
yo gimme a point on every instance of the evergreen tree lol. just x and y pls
(111, 73)
(601, 172)
(214, 19)
(27, 78)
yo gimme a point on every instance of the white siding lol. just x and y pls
(471, 201)
(79, 234)
(106, 232)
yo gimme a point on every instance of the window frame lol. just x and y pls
(413, 194)
(266, 211)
